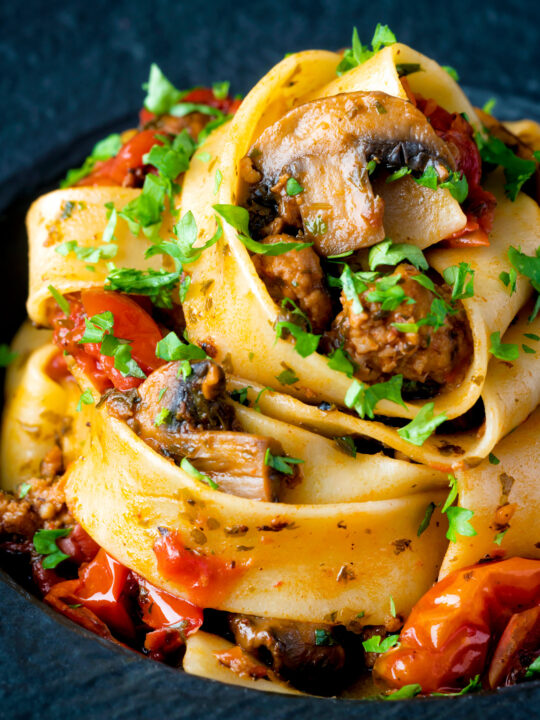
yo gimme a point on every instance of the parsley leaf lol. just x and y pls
(358, 54)
(398, 174)
(281, 463)
(509, 280)
(238, 218)
(293, 187)
(171, 348)
(6, 355)
(426, 519)
(534, 668)
(458, 523)
(529, 266)
(364, 398)
(45, 544)
(323, 637)
(221, 89)
(97, 326)
(340, 360)
(192, 470)
(452, 495)
(241, 395)
(493, 459)
(388, 253)
(404, 693)
(451, 71)
(305, 344)
(503, 351)
(457, 186)
(423, 425)
(457, 277)
(516, 170)
(404, 69)
(161, 94)
(60, 300)
(162, 416)
(376, 645)
(287, 377)
(388, 292)
(89, 254)
(346, 443)
(217, 180)
(86, 398)
(158, 285)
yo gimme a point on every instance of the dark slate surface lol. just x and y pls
(71, 72)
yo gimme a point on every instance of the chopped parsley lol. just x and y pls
(89, 254)
(457, 276)
(103, 150)
(162, 416)
(489, 106)
(287, 377)
(398, 174)
(24, 489)
(45, 544)
(98, 330)
(281, 463)
(161, 95)
(6, 355)
(323, 637)
(316, 226)
(86, 398)
(293, 187)
(534, 668)
(456, 184)
(516, 170)
(340, 360)
(238, 218)
(192, 470)
(423, 425)
(509, 280)
(458, 523)
(60, 300)
(388, 253)
(358, 53)
(364, 398)
(346, 443)
(221, 89)
(389, 293)
(404, 693)
(217, 180)
(451, 71)
(171, 349)
(426, 519)
(452, 495)
(241, 395)
(392, 607)
(503, 351)
(529, 266)
(493, 459)
(305, 344)
(376, 645)
(499, 537)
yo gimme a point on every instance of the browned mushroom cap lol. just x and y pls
(326, 145)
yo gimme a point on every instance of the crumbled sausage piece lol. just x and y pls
(297, 275)
(380, 350)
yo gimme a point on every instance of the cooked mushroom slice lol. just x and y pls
(326, 145)
(305, 654)
(192, 418)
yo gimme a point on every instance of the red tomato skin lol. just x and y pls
(101, 586)
(161, 609)
(131, 323)
(116, 170)
(204, 578)
(446, 640)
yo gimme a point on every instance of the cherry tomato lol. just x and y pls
(204, 578)
(117, 170)
(131, 323)
(480, 204)
(446, 640)
(78, 545)
(522, 634)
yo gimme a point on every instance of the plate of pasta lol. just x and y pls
(272, 417)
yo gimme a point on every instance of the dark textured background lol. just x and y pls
(71, 71)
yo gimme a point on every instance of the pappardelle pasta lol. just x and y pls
(273, 417)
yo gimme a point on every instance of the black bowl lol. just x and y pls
(52, 668)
